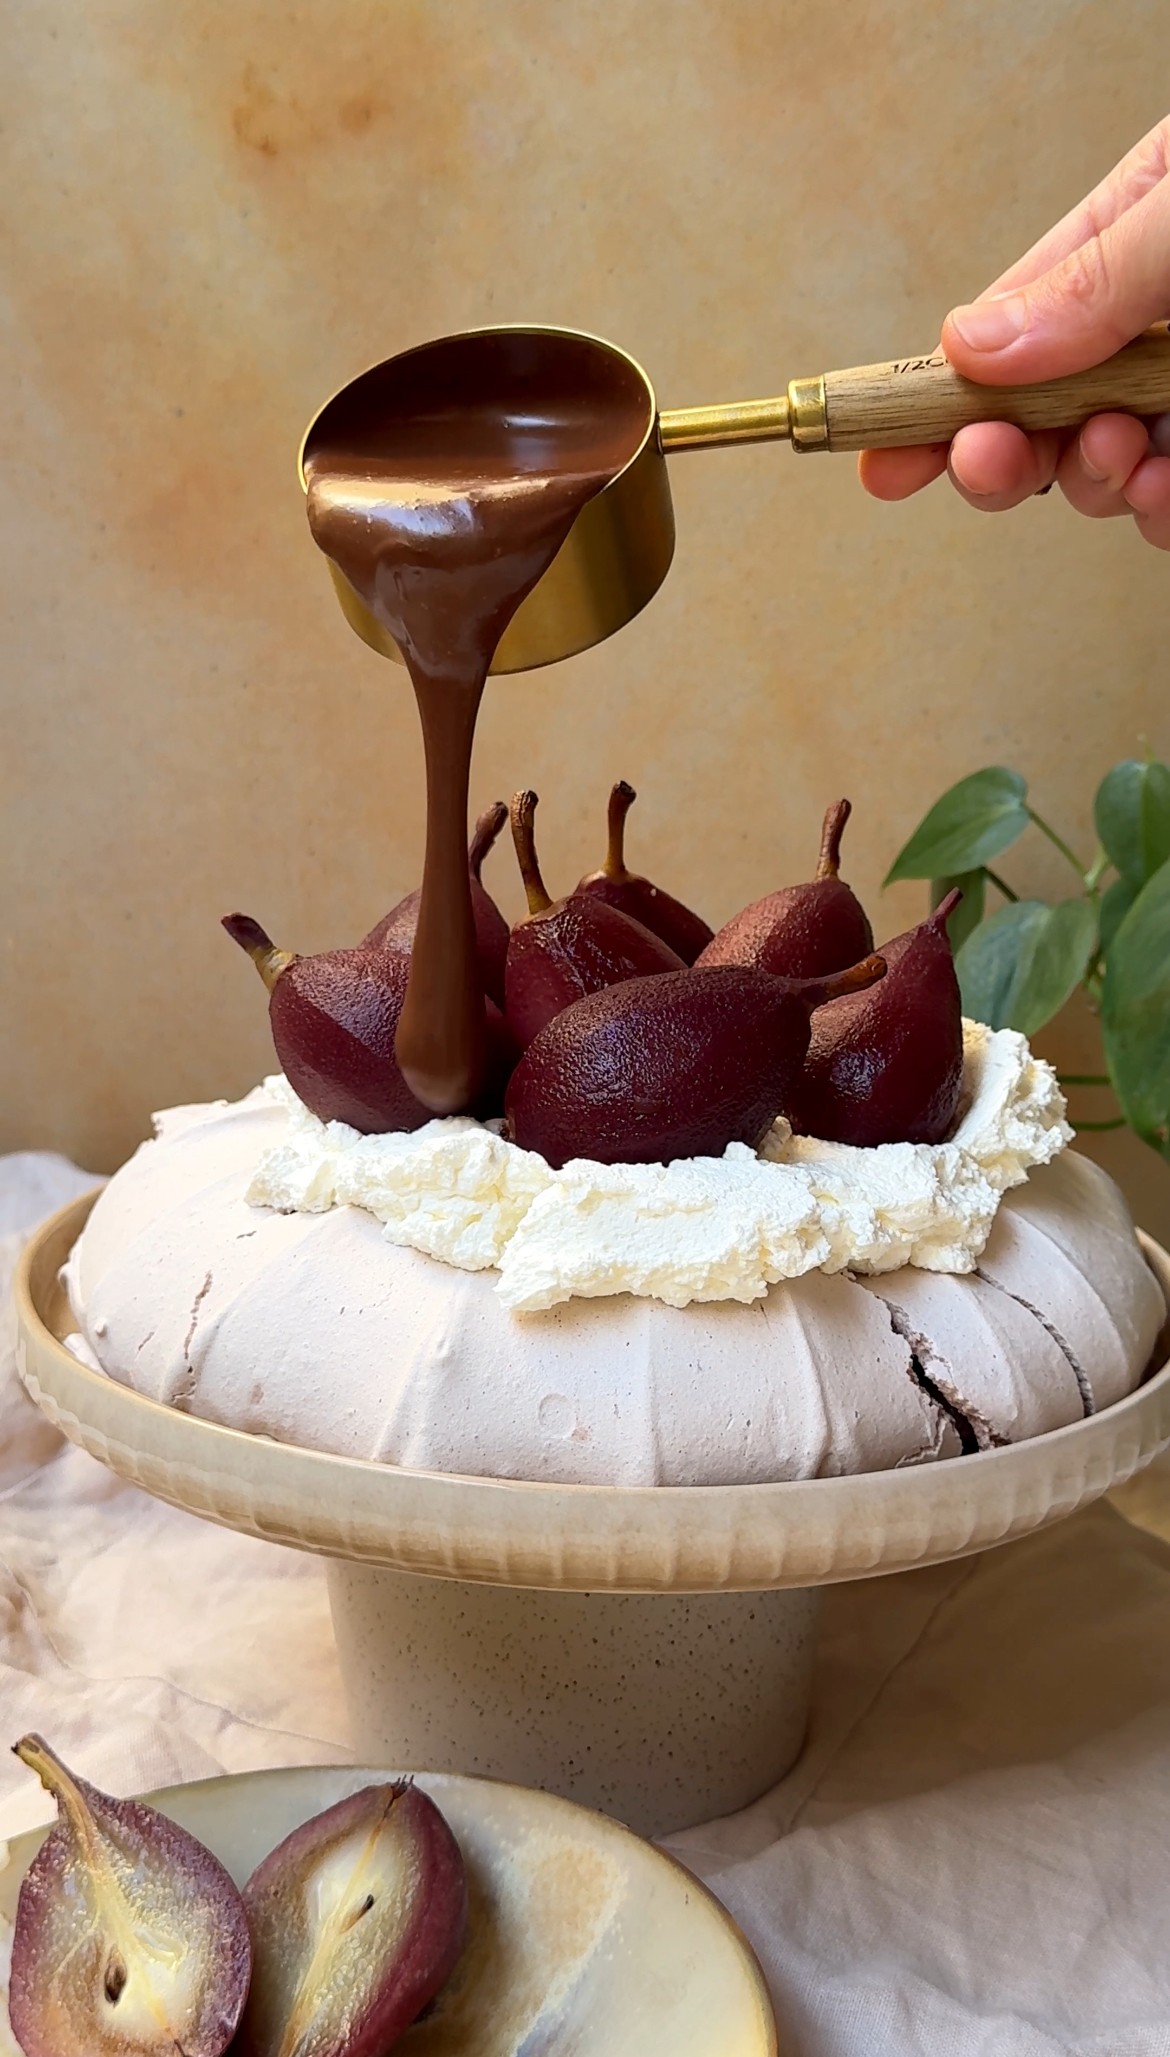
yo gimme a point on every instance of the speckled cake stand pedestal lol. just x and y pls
(647, 1650)
(661, 1708)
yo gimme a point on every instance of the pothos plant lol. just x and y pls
(1019, 960)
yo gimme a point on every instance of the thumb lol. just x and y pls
(1078, 313)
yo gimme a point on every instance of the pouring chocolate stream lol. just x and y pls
(442, 507)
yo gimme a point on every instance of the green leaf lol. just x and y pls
(992, 960)
(1018, 969)
(1115, 905)
(1060, 962)
(1132, 813)
(972, 823)
(1135, 1012)
(969, 912)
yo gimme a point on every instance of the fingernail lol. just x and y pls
(955, 466)
(1091, 470)
(991, 324)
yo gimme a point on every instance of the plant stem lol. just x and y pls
(1118, 1123)
(1084, 1078)
(1097, 870)
(1059, 843)
(1001, 885)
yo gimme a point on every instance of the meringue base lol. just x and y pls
(310, 1328)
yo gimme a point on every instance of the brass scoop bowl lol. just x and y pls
(545, 381)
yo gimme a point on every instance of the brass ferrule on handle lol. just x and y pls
(797, 417)
(924, 400)
(714, 428)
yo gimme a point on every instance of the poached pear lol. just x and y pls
(660, 912)
(334, 1018)
(358, 1919)
(131, 1939)
(679, 1065)
(567, 948)
(801, 931)
(396, 930)
(887, 1066)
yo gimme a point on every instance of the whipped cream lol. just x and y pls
(707, 1228)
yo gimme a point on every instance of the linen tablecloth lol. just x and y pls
(970, 1859)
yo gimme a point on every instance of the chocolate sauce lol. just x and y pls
(442, 484)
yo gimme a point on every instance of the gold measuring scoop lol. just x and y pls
(544, 382)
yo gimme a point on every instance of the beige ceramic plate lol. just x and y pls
(646, 1539)
(583, 1937)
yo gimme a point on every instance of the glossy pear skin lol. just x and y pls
(396, 930)
(131, 1940)
(358, 1919)
(887, 1066)
(566, 949)
(686, 933)
(801, 931)
(578, 947)
(334, 1018)
(675, 1066)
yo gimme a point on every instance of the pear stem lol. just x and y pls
(487, 829)
(941, 914)
(621, 800)
(523, 812)
(833, 829)
(816, 992)
(270, 962)
(58, 1780)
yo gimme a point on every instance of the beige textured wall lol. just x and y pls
(217, 210)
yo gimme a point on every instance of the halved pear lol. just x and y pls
(358, 1919)
(131, 1940)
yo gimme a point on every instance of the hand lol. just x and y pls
(1093, 283)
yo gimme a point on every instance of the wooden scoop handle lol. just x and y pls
(921, 400)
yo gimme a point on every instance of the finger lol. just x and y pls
(1149, 486)
(995, 466)
(1147, 491)
(1156, 530)
(1078, 313)
(1096, 465)
(1139, 169)
(895, 474)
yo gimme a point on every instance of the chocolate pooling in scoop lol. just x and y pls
(442, 484)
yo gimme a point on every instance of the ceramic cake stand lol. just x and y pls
(647, 1650)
